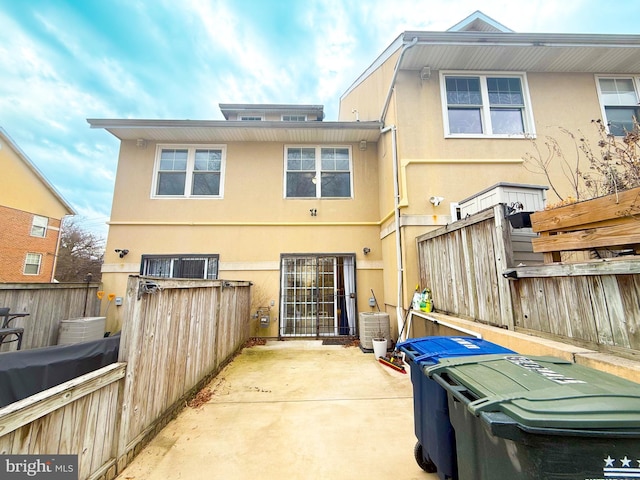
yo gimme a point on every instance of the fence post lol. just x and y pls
(504, 258)
(130, 353)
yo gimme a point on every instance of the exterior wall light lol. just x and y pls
(436, 200)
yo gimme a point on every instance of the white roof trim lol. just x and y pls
(478, 21)
(383, 57)
(193, 131)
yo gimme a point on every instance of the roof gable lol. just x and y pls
(479, 22)
(37, 174)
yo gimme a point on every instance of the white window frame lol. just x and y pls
(454, 208)
(318, 170)
(251, 118)
(39, 223)
(32, 256)
(191, 153)
(527, 114)
(636, 85)
(298, 118)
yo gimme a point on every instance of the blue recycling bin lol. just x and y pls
(435, 450)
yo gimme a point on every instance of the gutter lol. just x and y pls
(385, 108)
(525, 39)
(396, 187)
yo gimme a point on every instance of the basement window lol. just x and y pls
(180, 266)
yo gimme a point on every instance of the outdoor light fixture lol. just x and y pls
(425, 73)
(363, 145)
(366, 250)
(121, 252)
(141, 143)
(436, 200)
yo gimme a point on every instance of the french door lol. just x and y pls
(317, 295)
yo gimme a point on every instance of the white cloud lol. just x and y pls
(33, 83)
(335, 43)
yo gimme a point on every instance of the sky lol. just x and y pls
(63, 61)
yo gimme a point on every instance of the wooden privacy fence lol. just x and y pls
(77, 417)
(176, 335)
(468, 266)
(462, 264)
(47, 304)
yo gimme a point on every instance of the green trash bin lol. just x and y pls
(535, 418)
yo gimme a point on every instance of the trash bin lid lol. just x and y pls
(429, 350)
(541, 391)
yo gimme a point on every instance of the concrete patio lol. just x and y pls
(292, 410)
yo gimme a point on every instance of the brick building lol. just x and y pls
(31, 213)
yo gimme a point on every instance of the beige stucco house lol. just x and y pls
(321, 215)
(31, 213)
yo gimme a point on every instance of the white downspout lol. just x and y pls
(396, 189)
(385, 107)
(396, 211)
(55, 255)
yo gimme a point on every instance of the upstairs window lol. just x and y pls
(39, 226)
(251, 118)
(619, 103)
(318, 172)
(180, 266)
(190, 172)
(486, 105)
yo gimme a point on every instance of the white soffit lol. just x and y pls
(524, 52)
(509, 51)
(228, 131)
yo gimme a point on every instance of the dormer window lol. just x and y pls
(294, 118)
(251, 118)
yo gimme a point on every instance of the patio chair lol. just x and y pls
(6, 330)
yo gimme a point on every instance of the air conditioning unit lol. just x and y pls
(369, 326)
(77, 330)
